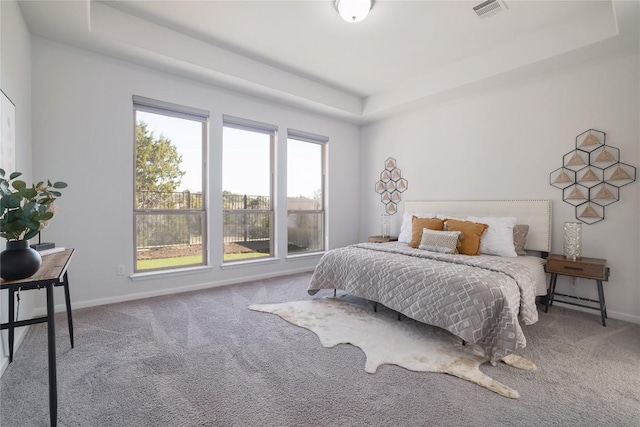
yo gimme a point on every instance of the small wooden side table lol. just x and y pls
(584, 268)
(52, 272)
(380, 239)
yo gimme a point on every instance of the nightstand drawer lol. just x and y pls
(588, 268)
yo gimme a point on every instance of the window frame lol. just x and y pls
(265, 129)
(322, 141)
(168, 109)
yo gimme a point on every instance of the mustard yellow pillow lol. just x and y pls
(418, 224)
(470, 238)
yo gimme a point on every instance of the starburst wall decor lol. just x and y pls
(591, 176)
(390, 186)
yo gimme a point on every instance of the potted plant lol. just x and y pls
(25, 211)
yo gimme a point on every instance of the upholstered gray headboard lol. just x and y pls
(535, 213)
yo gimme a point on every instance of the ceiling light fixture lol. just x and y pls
(353, 10)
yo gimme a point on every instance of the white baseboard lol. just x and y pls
(611, 314)
(19, 337)
(4, 365)
(131, 297)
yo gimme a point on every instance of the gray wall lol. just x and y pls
(84, 115)
(503, 144)
(15, 82)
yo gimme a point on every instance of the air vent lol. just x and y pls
(490, 8)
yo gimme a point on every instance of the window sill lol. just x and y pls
(248, 263)
(170, 273)
(305, 256)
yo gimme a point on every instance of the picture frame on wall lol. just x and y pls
(8, 163)
(8, 134)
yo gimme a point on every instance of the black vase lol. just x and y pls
(19, 261)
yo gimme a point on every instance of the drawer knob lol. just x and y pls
(567, 267)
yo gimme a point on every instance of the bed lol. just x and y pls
(483, 299)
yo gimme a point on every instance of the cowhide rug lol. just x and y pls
(383, 339)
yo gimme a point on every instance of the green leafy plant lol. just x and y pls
(25, 210)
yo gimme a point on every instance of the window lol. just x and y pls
(305, 192)
(247, 184)
(169, 208)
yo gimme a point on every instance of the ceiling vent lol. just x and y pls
(490, 8)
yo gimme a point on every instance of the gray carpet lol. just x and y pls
(203, 359)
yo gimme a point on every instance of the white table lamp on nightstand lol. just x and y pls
(572, 243)
(385, 225)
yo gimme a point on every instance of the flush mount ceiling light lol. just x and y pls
(353, 10)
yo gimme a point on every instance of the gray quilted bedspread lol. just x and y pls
(479, 299)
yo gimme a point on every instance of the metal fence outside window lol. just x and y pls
(247, 218)
(166, 229)
(167, 200)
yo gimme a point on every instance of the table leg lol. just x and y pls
(551, 291)
(548, 297)
(67, 300)
(603, 310)
(11, 313)
(51, 332)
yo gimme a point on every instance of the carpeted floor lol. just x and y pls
(203, 359)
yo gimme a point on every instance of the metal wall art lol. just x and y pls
(591, 176)
(390, 186)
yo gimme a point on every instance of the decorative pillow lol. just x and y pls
(440, 241)
(406, 228)
(470, 238)
(498, 238)
(446, 217)
(418, 224)
(520, 232)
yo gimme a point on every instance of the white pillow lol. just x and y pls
(498, 238)
(440, 241)
(405, 228)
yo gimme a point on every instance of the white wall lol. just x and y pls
(504, 144)
(83, 135)
(15, 82)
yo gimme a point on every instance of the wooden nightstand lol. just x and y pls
(584, 268)
(380, 239)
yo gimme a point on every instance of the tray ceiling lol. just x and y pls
(405, 54)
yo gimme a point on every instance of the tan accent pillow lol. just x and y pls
(418, 224)
(471, 232)
(520, 232)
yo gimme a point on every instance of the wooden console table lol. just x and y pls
(52, 272)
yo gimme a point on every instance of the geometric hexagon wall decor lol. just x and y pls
(591, 176)
(390, 186)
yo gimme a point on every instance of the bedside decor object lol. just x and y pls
(25, 211)
(572, 240)
(390, 186)
(385, 225)
(591, 176)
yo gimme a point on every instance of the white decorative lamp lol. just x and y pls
(385, 225)
(353, 10)
(572, 240)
